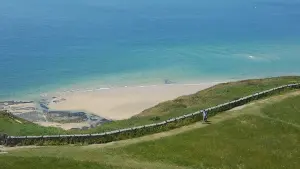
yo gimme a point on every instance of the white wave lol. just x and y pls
(251, 57)
(88, 90)
(262, 57)
(103, 88)
(256, 58)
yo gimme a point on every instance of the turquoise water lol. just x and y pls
(51, 45)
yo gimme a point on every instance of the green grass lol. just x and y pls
(207, 98)
(10, 125)
(288, 110)
(245, 142)
(249, 141)
(186, 104)
(48, 163)
(258, 136)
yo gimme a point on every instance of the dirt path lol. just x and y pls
(252, 108)
(2, 150)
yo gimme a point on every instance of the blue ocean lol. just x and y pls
(60, 45)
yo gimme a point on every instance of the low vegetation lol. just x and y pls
(265, 134)
(13, 125)
(287, 111)
(186, 104)
(203, 99)
(48, 163)
(266, 139)
(245, 142)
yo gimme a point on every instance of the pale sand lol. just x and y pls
(65, 126)
(125, 102)
(21, 108)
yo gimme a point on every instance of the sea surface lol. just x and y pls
(70, 44)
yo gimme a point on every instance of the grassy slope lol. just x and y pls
(49, 163)
(287, 111)
(210, 97)
(249, 141)
(263, 135)
(186, 104)
(18, 126)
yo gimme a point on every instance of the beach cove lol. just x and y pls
(71, 65)
(120, 43)
(88, 108)
(124, 102)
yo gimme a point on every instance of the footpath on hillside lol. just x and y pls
(2, 150)
(251, 108)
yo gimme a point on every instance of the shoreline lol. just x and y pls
(71, 91)
(93, 106)
(100, 104)
(118, 103)
(93, 83)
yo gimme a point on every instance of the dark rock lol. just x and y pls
(167, 81)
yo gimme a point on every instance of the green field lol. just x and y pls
(49, 163)
(17, 126)
(203, 99)
(264, 134)
(186, 104)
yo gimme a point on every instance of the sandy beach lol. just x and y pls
(65, 126)
(124, 102)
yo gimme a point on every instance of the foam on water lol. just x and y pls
(89, 45)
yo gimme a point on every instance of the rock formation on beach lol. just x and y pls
(38, 112)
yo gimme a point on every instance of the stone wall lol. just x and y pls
(140, 130)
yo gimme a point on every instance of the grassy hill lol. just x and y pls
(186, 104)
(203, 99)
(16, 126)
(48, 163)
(264, 134)
(266, 139)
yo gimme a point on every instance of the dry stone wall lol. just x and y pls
(140, 130)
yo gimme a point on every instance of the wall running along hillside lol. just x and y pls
(140, 130)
